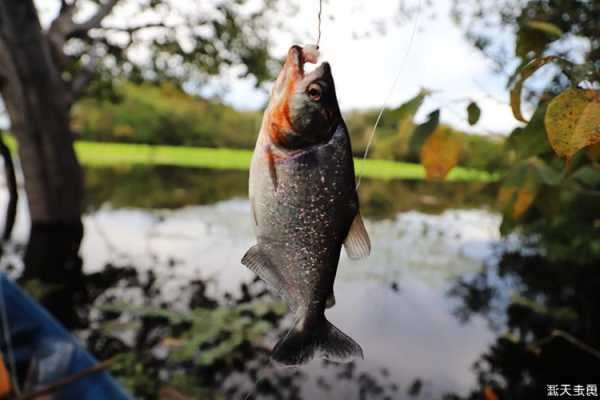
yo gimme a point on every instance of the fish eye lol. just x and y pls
(314, 91)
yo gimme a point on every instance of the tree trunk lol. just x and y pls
(38, 104)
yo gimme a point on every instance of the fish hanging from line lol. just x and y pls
(305, 206)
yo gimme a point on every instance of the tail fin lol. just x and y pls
(300, 345)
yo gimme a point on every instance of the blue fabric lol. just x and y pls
(32, 328)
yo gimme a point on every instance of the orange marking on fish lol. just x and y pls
(280, 120)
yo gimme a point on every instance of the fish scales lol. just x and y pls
(305, 207)
(308, 217)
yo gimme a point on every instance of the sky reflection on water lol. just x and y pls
(394, 303)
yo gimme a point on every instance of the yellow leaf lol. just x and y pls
(515, 201)
(506, 199)
(440, 153)
(517, 197)
(573, 121)
(525, 198)
(526, 72)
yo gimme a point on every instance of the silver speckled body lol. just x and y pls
(304, 204)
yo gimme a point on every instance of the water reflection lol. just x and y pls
(161, 187)
(394, 304)
(173, 187)
(548, 322)
(429, 308)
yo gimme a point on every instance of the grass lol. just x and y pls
(111, 154)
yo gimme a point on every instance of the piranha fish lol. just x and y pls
(305, 207)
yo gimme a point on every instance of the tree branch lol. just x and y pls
(95, 20)
(64, 20)
(59, 31)
(133, 29)
(84, 76)
(65, 5)
(63, 27)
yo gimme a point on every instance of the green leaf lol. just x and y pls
(422, 132)
(399, 117)
(573, 121)
(528, 70)
(546, 27)
(587, 175)
(531, 41)
(473, 113)
(534, 37)
(507, 226)
(545, 173)
(531, 140)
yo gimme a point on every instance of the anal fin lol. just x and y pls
(258, 263)
(357, 243)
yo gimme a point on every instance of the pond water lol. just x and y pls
(395, 303)
(442, 308)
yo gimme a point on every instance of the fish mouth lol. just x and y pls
(300, 58)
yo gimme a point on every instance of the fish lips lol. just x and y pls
(296, 60)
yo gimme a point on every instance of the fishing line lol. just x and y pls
(263, 371)
(389, 95)
(319, 23)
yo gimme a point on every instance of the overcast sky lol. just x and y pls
(440, 59)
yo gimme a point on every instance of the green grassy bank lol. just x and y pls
(111, 154)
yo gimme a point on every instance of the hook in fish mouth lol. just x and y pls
(301, 56)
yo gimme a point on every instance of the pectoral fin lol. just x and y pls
(357, 243)
(258, 263)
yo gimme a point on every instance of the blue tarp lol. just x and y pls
(35, 334)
